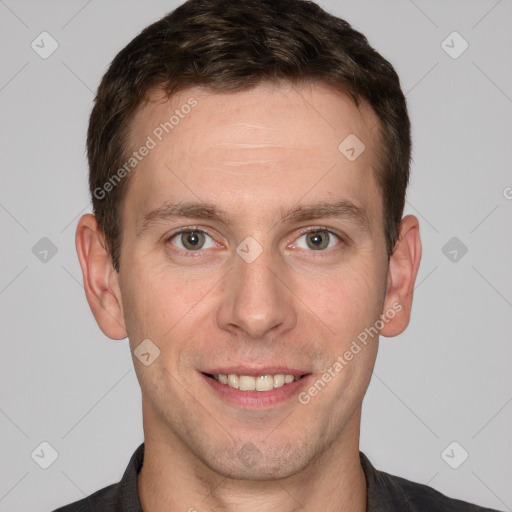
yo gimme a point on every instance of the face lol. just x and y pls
(253, 249)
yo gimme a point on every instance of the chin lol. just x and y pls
(259, 463)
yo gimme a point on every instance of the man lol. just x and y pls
(248, 169)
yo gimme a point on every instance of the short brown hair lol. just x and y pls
(231, 46)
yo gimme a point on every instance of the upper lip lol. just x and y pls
(256, 371)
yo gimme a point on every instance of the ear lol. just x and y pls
(402, 272)
(100, 278)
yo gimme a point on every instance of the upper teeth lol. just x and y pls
(260, 383)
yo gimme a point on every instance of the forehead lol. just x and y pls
(275, 143)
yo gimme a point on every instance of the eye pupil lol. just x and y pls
(192, 239)
(317, 240)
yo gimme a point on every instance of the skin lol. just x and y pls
(252, 154)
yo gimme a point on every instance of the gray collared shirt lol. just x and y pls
(386, 493)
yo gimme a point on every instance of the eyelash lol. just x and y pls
(311, 229)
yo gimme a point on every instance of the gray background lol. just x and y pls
(447, 378)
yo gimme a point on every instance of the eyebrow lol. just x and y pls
(171, 211)
(344, 210)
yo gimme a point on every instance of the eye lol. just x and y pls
(192, 240)
(317, 240)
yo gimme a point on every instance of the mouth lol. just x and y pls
(261, 383)
(256, 389)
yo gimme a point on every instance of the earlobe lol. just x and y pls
(402, 272)
(100, 278)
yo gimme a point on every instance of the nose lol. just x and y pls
(256, 300)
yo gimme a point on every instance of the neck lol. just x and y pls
(173, 478)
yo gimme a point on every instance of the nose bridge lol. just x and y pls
(255, 300)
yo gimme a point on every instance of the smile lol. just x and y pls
(258, 383)
(256, 388)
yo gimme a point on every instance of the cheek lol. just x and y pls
(145, 304)
(347, 299)
(158, 302)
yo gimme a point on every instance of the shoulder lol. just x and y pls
(423, 498)
(106, 498)
(392, 493)
(120, 497)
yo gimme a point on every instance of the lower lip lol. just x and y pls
(257, 399)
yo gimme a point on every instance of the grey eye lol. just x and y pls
(317, 240)
(192, 240)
